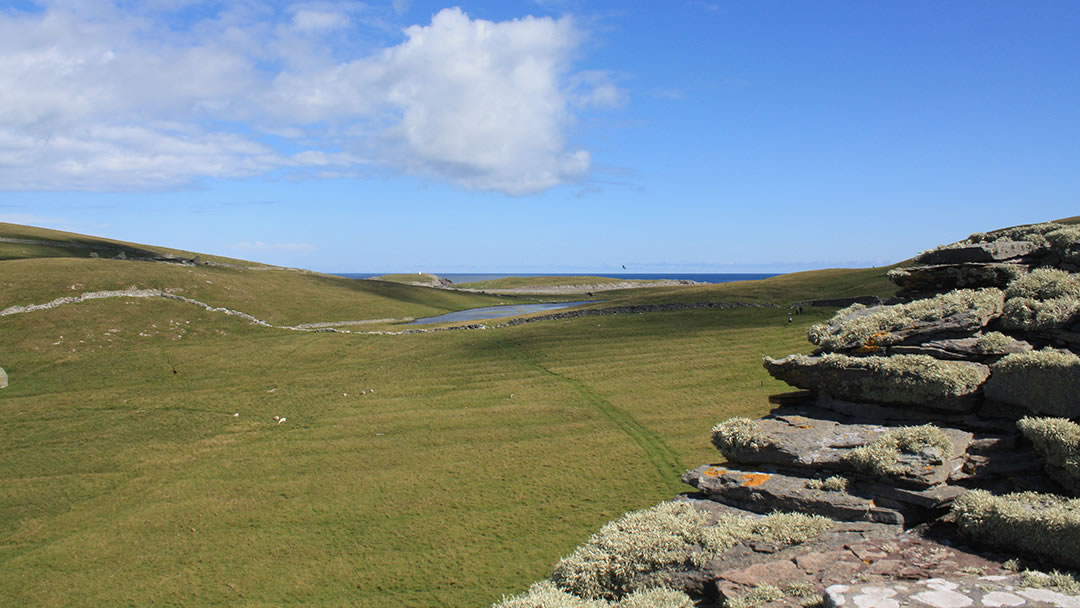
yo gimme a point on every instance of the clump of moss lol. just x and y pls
(737, 437)
(1042, 382)
(1066, 242)
(766, 593)
(898, 452)
(1045, 298)
(869, 329)
(1057, 440)
(913, 379)
(833, 483)
(637, 551)
(993, 342)
(1046, 525)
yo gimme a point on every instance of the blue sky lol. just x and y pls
(540, 136)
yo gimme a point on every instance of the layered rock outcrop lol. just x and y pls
(922, 428)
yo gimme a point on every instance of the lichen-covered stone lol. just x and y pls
(994, 591)
(1040, 382)
(966, 253)
(944, 277)
(765, 492)
(955, 314)
(900, 379)
(3, 378)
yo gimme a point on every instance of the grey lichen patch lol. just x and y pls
(868, 329)
(639, 550)
(1057, 440)
(1041, 382)
(1046, 525)
(833, 483)
(902, 451)
(739, 436)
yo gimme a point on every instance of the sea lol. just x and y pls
(458, 278)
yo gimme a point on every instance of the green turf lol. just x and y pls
(126, 479)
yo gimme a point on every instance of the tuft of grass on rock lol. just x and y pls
(833, 483)
(739, 436)
(1042, 381)
(1045, 298)
(641, 549)
(1055, 580)
(1046, 525)
(1057, 440)
(896, 452)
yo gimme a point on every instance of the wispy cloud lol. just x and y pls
(103, 96)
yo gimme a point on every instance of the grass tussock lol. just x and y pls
(1057, 440)
(993, 342)
(1045, 525)
(1062, 582)
(546, 595)
(833, 483)
(805, 593)
(635, 552)
(1042, 381)
(736, 437)
(1045, 298)
(871, 328)
(901, 451)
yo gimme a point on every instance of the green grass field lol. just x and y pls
(127, 479)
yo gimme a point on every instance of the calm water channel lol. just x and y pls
(495, 312)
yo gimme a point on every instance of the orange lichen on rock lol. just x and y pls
(751, 480)
(714, 471)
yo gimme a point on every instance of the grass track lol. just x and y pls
(662, 457)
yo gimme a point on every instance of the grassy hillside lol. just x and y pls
(127, 479)
(275, 295)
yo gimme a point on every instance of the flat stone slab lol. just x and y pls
(765, 492)
(995, 591)
(958, 349)
(944, 277)
(859, 380)
(995, 251)
(821, 444)
(877, 562)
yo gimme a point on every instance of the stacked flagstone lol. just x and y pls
(907, 407)
(920, 428)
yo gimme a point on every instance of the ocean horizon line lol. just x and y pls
(472, 277)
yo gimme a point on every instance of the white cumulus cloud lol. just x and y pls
(101, 96)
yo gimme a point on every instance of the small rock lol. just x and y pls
(3, 378)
